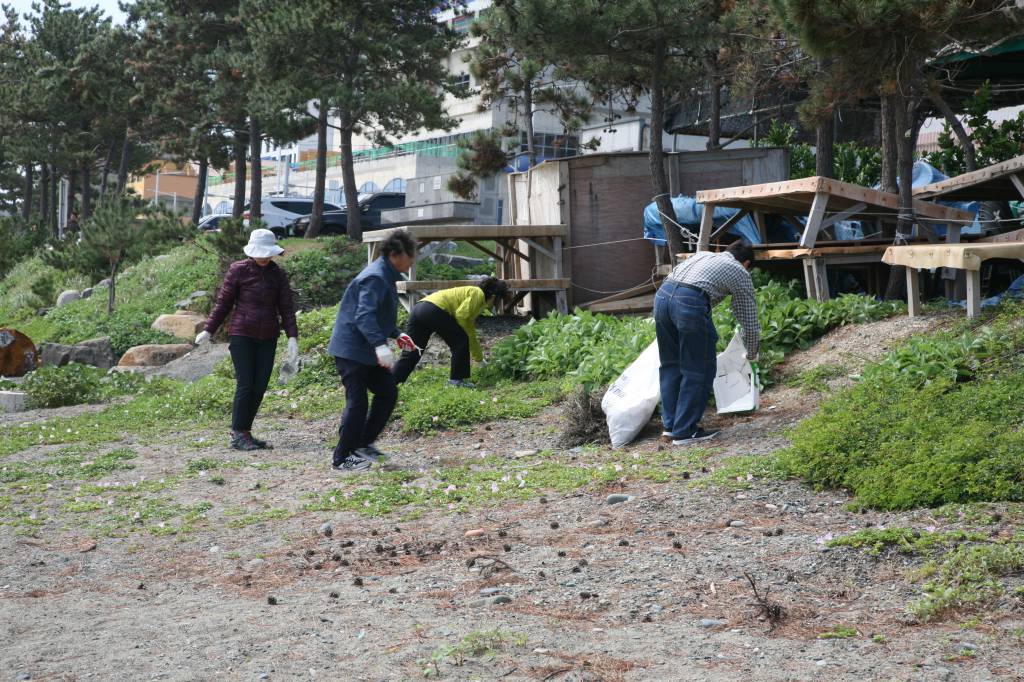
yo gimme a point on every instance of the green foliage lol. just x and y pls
(839, 632)
(992, 142)
(226, 244)
(76, 384)
(968, 577)
(591, 348)
(319, 276)
(816, 380)
(67, 465)
(30, 286)
(428, 269)
(21, 240)
(484, 644)
(935, 422)
(904, 540)
(851, 162)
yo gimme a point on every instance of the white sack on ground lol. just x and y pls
(631, 400)
(735, 390)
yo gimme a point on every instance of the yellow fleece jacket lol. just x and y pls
(464, 304)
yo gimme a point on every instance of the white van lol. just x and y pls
(279, 212)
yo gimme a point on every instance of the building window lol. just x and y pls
(552, 145)
(462, 80)
(369, 187)
(395, 185)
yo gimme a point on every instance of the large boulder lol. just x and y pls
(153, 354)
(180, 326)
(18, 355)
(67, 297)
(96, 352)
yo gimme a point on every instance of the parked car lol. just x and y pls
(280, 212)
(336, 222)
(211, 223)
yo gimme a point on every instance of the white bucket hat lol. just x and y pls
(262, 244)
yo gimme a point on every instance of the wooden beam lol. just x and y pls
(814, 220)
(707, 220)
(633, 292)
(515, 284)
(507, 245)
(543, 249)
(464, 232)
(629, 305)
(843, 215)
(973, 293)
(820, 272)
(732, 220)
(483, 248)
(1018, 183)
(913, 293)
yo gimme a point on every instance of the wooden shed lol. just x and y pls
(601, 198)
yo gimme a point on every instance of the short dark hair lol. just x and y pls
(494, 288)
(398, 241)
(741, 250)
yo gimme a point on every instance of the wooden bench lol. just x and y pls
(966, 257)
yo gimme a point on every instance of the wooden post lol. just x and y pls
(809, 279)
(820, 274)
(814, 219)
(560, 300)
(707, 220)
(913, 292)
(973, 293)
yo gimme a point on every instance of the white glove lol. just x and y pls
(202, 337)
(385, 356)
(293, 350)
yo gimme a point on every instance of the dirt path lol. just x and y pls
(560, 587)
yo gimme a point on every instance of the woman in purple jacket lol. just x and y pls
(258, 291)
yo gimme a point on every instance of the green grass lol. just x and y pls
(481, 644)
(839, 632)
(905, 540)
(816, 380)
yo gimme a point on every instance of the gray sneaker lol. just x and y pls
(698, 435)
(461, 383)
(351, 463)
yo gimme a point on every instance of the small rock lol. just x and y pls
(524, 453)
(253, 565)
(501, 599)
(87, 292)
(272, 601)
(24, 676)
(710, 623)
(489, 591)
(474, 533)
(737, 524)
(67, 297)
(821, 663)
(616, 498)
(655, 608)
(264, 676)
(326, 529)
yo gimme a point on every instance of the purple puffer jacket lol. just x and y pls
(258, 295)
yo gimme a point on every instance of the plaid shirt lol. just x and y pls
(718, 275)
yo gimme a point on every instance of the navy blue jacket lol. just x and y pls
(368, 314)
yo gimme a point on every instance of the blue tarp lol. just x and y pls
(688, 213)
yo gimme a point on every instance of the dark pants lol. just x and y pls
(686, 348)
(254, 361)
(425, 320)
(357, 427)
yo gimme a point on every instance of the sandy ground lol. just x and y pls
(655, 588)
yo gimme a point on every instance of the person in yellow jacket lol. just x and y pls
(451, 314)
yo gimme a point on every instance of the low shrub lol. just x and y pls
(76, 384)
(319, 276)
(428, 269)
(936, 421)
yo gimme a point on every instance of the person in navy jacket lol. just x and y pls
(367, 318)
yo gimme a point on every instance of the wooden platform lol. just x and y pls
(998, 182)
(514, 245)
(966, 257)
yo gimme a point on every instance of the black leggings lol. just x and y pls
(254, 361)
(427, 319)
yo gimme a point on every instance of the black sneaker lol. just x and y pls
(352, 462)
(260, 443)
(698, 435)
(241, 441)
(372, 454)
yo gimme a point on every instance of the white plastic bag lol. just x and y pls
(735, 389)
(630, 401)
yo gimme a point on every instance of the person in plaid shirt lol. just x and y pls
(687, 337)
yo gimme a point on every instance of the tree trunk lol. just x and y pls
(256, 183)
(970, 155)
(106, 168)
(200, 196)
(905, 142)
(86, 190)
(239, 199)
(531, 152)
(320, 181)
(26, 199)
(824, 159)
(348, 173)
(715, 118)
(72, 184)
(656, 155)
(122, 166)
(887, 133)
(44, 192)
(51, 217)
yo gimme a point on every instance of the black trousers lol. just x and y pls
(425, 320)
(254, 361)
(361, 423)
